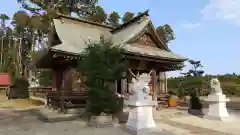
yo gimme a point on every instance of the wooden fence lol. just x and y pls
(39, 91)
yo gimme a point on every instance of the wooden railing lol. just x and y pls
(40, 91)
(65, 100)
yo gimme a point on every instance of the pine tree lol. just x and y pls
(127, 17)
(113, 19)
(103, 64)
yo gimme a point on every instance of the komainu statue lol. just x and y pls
(215, 86)
(140, 85)
(140, 104)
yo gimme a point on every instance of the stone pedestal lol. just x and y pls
(217, 107)
(140, 119)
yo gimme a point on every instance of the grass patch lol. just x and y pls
(20, 103)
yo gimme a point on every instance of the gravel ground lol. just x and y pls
(173, 122)
(14, 122)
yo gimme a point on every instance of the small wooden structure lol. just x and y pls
(143, 49)
(5, 82)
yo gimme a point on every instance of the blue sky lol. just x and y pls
(206, 30)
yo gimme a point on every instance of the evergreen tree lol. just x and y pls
(165, 33)
(98, 15)
(3, 18)
(103, 64)
(113, 19)
(127, 17)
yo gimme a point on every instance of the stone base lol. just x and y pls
(48, 115)
(195, 112)
(76, 111)
(230, 118)
(101, 121)
(144, 131)
(140, 117)
(217, 109)
(123, 117)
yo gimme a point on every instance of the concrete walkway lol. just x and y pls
(219, 127)
(197, 125)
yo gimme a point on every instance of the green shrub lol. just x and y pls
(181, 93)
(103, 64)
(21, 87)
(195, 101)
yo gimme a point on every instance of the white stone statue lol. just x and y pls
(217, 109)
(140, 85)
(215, 86)
(140, 105)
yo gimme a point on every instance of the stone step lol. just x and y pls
(49, 115)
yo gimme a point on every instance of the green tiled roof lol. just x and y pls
(151, 51)
(74, 36)
(129, 32)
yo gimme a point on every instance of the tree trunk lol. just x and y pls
(30, 72)
(1, 59)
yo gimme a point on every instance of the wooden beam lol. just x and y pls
(152, 59)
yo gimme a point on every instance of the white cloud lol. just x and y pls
(228, 10)
(190, 25)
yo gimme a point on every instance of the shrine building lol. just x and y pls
(142, 47)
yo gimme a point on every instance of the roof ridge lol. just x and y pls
(83, 20)
(131, 36)
(136, 18)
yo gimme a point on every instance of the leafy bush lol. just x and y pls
(181, 93)
(19, 89)
(103, 64)
(45, 78)
(195, 100)
(230, 83)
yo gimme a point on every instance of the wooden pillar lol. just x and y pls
(129, 83)
(123, 84)
(154, 82)
(165, 82)
(59, 81)
(54, 80)
(161, 82)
